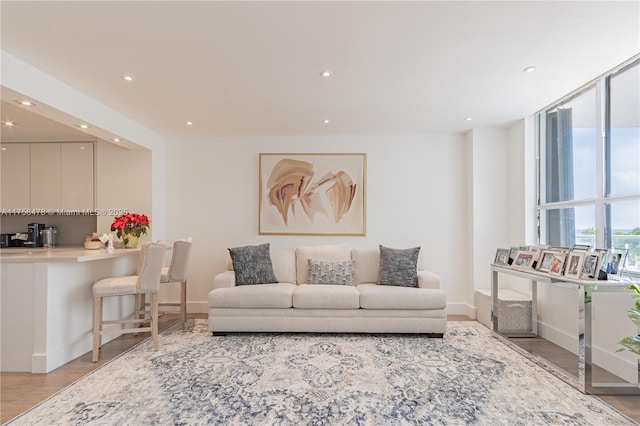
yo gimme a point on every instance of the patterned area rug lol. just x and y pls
(468, 377)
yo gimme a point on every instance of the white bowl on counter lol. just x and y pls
(93, 245)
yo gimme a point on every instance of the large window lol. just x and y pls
(589, 168)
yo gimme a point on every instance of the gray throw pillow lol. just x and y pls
(252, 265)
(399, 267)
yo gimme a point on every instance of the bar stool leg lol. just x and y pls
(97, 327)
(154, 319)
(183, 303)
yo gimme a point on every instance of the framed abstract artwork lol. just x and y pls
(312, 194)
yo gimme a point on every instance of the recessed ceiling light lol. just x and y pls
(326, 121)
(3, 148)
(468, 119)
(127, 78)
(25, 102)
(189, 123)
(115, 139)
(83, 126)
(326, 73)
(530, 69)
(8, 123)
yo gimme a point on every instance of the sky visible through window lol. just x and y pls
(625, 174)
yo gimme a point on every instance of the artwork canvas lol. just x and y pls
(312, 194)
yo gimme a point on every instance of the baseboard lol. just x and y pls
(461, 309)
(198, 307)
(606, 358)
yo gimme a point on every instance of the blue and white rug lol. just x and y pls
(468, 377)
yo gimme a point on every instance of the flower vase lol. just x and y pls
(132, 241)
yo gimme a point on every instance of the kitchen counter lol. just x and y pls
(47, 303)
(59, 254)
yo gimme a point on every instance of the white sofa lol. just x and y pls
(292, 305)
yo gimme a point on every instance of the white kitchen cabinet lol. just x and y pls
(15, 176)
(45, 176)
(76, 185)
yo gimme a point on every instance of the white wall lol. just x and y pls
(415, 196)
(488, 182)
(123, 181)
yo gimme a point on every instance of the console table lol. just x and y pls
(584, 381)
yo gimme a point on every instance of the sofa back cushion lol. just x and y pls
(326, 253)
(283, 262)
(366, 265)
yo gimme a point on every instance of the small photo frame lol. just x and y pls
(513, 252)
(502, 257)
(574, 264)
(614, 261)
(546, 258)
(524, 259)
(591, 265)
(557, 263)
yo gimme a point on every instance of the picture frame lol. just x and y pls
(614, 262)
(557, 264)
(574, 263)
(591, 265)
(524, 259)
(502, 257)
(546, 258)
(312, 194)
(513, 252)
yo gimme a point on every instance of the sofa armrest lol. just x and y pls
(225, 279)
(428, 279)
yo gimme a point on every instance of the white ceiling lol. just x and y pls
(252, 68)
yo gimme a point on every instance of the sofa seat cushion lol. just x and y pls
(278, 295)
(374, 296)
(326, 296)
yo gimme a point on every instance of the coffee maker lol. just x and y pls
(34, 231)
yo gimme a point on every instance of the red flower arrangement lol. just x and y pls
(133, 224)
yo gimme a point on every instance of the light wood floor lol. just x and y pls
(21, 391)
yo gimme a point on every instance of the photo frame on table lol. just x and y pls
(513, 252)
(614, 262)
(524, 259)
(591, 265)
(502, 257)
(312, 194)
(545, 260)
(574, 263)
(557, 263)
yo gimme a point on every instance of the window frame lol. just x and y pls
(603, 199)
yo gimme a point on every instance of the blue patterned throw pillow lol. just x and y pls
(252, 265)
(338, 273)
(399, 267)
